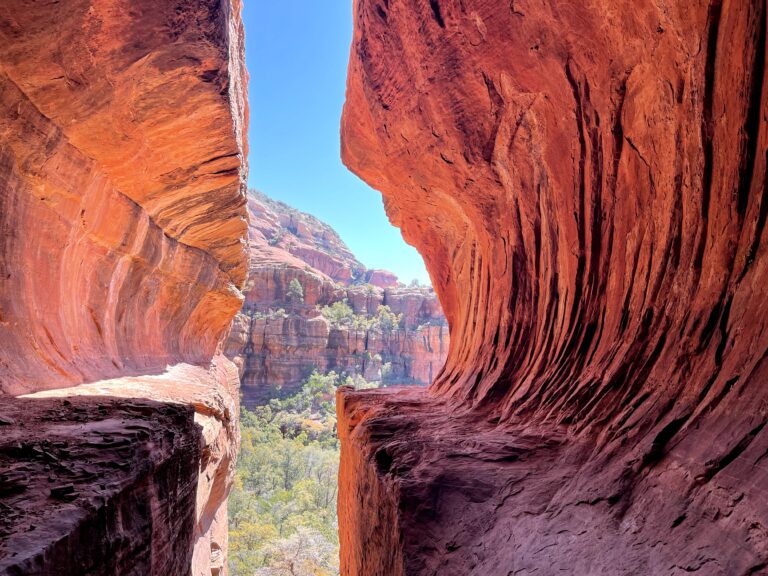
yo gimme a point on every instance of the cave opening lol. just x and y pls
(587, 184)
(335, 297)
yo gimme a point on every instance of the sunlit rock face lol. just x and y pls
(277, 352)
(587, 183)
(122, 255)
(281, 236)
(122, 212)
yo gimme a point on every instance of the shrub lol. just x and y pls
(295, 292)
(387, 320)
(275, 240)
(339, 314)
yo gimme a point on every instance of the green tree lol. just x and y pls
(386, 320)
(295, 292)
(282, 510)
(339, 314)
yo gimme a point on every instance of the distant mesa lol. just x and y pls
(381, 278)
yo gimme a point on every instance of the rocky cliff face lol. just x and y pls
(278, 343)
(122, 224)
(118, 477)
(587, 183)
(210, 427)
(281, 235)
(121, 129)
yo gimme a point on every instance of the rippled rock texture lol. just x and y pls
(122, 255)
(587, 183)
(122, 215)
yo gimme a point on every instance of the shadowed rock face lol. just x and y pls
(122, 255)
(211, 393)
(587, 183)
(117, 478)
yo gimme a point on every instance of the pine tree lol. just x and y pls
(295, 292)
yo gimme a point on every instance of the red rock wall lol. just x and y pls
(122, 255)
(281, 235)
(278, 354)
(587, 183)
(211, 394)
(122, 211)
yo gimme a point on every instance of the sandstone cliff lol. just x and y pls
(122, 224)
(587, 183)
(278, 343)
(117, 478)
(280, 234)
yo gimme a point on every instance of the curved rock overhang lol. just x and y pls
(123, 161)
(587, 184)
(122, 254)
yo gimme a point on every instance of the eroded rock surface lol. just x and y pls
(280, 234)
(212, 393)
(123, 211)
(96, 486)
(122, 255)
(587, 183)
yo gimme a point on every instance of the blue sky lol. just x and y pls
(297, 52)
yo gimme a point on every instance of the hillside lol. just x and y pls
(278, 340)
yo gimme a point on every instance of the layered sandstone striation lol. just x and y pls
(122, 255)
(123, 213)
(277, 352)
(281, 236)
(278, 342)
(587, 184)
(93, 483)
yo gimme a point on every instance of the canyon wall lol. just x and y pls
(278, 343)
(122, 255)
(122, 208)
(587, 184)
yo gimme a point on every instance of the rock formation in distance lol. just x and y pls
(278, 343)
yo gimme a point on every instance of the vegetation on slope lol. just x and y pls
(282, 510)
(340, 315)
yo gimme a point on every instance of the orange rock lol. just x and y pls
(122, 255)
(276, 352)
(122, 130)
(381, 278)
(587, 184)
(280, 234)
